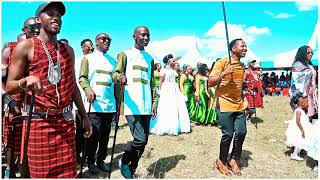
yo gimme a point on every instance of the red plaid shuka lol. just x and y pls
(7, 127)
(254, 85)
(51, 147)
(10, 139)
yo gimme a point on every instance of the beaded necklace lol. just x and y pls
(54, 71)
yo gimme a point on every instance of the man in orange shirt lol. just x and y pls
(228, 76)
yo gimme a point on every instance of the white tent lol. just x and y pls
(184, 46)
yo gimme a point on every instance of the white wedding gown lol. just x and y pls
(172, 114)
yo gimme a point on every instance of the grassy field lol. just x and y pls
(193, 155)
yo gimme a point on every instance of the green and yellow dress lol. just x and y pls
(156, 82)
(186, 87)
(211, 116)
(201, 92)
(178, 78)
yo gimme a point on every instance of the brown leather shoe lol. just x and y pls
(234, 167)
(222, 168)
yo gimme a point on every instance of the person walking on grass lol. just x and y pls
(96, 81)
(134, 70)
(228, 75)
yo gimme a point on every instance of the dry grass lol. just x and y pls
(192, 155)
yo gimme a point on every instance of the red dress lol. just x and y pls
(254, 85)
(51, 146)
(10, 139)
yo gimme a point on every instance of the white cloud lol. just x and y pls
(306, 5)
(280, 15)
(249, 34)
(284, 16)
(206, 50)
(218, 30)
(257, 31)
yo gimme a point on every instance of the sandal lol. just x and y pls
(222, 168)
(234, 167)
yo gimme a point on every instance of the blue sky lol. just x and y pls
(270, 28)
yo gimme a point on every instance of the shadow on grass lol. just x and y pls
(311, 162)
(159, 168)
(245, 157)
(289, 151)
(256, 120)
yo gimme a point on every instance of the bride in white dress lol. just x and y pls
(172, 114)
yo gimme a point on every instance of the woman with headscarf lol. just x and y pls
(172, 114)
(186, 87)
(304, 79)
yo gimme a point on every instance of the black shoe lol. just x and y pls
(93, 169)
(125, 170)
(103, 166)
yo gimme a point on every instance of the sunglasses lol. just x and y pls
(105, 38)
(309, 52)
(89, 46)
(33, 27)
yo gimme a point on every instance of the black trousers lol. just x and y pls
(139, 127)
(232, 124)
(79, 134)
(101, 127)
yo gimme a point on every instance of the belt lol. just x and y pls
(24, 117)
(47, 110)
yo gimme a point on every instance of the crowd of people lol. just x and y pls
(59, 119)
(275, 86)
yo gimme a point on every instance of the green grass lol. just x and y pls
(193, 155)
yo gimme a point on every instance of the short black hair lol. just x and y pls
(27, 20)
(84, 41)
(233, 42)
(166, 58)
(202, 69)
(295, 97)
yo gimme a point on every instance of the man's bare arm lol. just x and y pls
(18, 66)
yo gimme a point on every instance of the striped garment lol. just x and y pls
(51, 146)
(11, 138)
(7, 127)
(256, 87)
